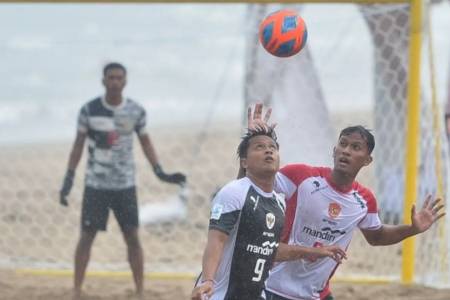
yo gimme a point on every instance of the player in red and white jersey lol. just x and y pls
(324, 207)
(319, 213)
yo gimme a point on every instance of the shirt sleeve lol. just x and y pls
(226, 208)
(284, 185)
(371, 221)
(83, 118)
(141, 124)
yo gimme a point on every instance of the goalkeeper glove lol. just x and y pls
(67, 186)
(177, 178)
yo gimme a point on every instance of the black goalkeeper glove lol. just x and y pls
(67, 186)
(177, 178)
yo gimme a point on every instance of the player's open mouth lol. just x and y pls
(343, 160)
(269, 159)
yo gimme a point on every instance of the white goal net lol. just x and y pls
(195, 68)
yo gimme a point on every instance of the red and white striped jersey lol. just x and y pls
(318, 213)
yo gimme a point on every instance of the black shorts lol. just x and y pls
(96, 205)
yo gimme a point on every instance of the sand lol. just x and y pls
(37, 287)
(37, 233)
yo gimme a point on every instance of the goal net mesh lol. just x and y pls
(353, 70)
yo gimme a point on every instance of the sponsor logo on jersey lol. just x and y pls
(266, 248)
(216, 211)
(255, 201)
(317, 187)
(325, 233)
(336, 231)
(268, 234)
(329, 222)
(112, 138)
(334, 209)
(270, 220)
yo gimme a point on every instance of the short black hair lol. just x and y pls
(245, 142)
(364, 132)
(113, 65)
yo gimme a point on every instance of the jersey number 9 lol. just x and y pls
(259, 269)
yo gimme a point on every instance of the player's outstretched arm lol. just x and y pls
(74, 159)
(150, 154)
(287, 252)
(421, 221)
(211, 260)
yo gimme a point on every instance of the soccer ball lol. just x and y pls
(283, 33)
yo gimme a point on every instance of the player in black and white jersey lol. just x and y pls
(108, 123)
(246, 221)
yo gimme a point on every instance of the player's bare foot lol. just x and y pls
(76, 294)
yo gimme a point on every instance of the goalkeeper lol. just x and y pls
(108, 123)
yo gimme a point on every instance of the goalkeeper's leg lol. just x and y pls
(82, 255)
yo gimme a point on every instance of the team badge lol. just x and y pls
(124, 125)
(334, 209)
(216, 211)
(270, 220)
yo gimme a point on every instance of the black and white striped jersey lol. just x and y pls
(110, 131)
(253, 219)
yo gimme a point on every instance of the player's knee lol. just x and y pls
(87, 237)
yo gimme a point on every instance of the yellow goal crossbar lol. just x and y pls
(206, 1)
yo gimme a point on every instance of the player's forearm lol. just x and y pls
(287, 252)
(149, 150)
(77, 151)
(391, 234)
(212, 256)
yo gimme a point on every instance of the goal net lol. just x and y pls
(353, 70)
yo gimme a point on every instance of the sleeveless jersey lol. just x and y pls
(110, 129)
(253, 219)
(317, 214)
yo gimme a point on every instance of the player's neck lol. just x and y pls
(113, 99)
(342, 180)
(265, 183)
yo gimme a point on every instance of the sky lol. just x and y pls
(185, 61)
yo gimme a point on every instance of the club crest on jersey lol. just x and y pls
(334, 209)
(270, 220)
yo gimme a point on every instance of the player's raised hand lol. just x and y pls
(431, 212)
(203, 291)
(255, 121)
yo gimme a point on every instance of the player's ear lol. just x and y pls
(243, 163)
(104, 81)
(368, 160)
(334, 152)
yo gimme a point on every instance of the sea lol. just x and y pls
(186, 62)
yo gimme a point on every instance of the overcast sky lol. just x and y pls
(182, 59)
